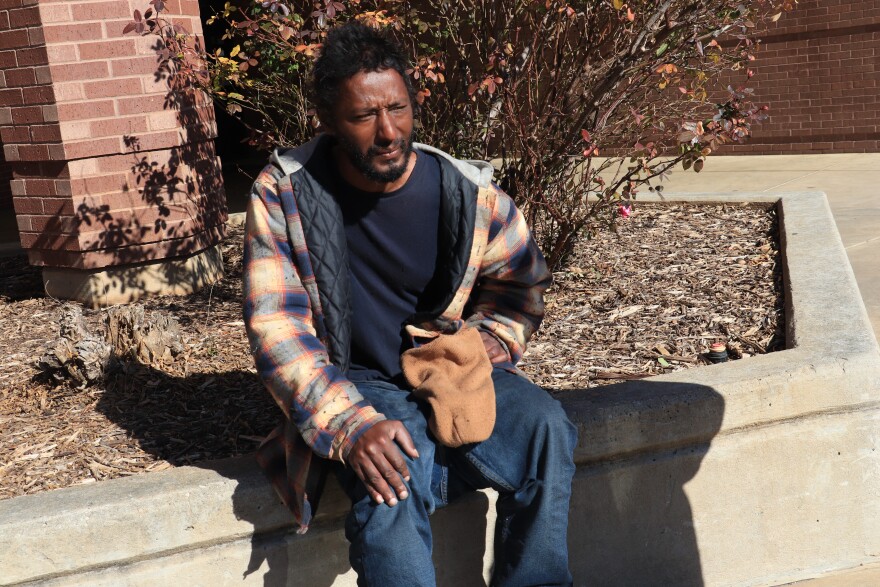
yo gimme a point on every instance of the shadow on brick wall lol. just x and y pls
(170, 204)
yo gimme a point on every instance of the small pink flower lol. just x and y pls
(625, 210)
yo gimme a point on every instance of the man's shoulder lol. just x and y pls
(478, 172)
(307, 161)
(292, 160)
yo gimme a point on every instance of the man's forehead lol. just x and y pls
(375, 79)
(367, 90)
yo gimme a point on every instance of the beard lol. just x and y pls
(363, 161)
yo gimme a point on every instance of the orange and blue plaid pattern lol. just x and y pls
(324, 413)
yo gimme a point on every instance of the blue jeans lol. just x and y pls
(528, 459)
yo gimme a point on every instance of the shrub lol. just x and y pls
(582, 103)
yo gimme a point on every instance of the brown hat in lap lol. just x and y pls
(454, 375)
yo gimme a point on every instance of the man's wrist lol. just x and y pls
(352, 430)
(502, 345)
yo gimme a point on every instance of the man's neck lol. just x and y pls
(358, 180)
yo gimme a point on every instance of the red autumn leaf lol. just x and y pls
(585, 134)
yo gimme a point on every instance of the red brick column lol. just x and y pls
(5, 187)
(111, 169)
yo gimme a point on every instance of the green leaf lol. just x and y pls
(661, 49)
(663, 361)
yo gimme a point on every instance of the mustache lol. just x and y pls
(373, 150)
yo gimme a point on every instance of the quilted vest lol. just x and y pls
(324, 235)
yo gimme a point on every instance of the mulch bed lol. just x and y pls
(645, 301)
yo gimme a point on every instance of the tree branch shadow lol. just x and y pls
(169, 204)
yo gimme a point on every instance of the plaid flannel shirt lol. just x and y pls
(324, 415)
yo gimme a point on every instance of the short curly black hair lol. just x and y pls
(349, 49)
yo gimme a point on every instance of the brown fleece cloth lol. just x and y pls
(453, 374)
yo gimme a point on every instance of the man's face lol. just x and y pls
(373, 122)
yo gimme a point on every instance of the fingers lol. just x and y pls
(379, 464)
(402, 437)
(377, 479)
(382, 479)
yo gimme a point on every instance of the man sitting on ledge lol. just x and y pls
(390, 291)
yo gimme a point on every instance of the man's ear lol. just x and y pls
(325, 126)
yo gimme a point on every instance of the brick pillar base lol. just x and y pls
(117, 187)
(126, 283)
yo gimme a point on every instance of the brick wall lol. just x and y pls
(5, 188)
(109, 167)
(818, 70)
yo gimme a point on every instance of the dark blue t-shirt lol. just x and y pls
(392, 244)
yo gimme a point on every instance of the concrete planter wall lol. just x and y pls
(755, 472)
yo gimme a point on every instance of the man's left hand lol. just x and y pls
(494, 349)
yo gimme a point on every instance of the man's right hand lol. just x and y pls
(377, 461)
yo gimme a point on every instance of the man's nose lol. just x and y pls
(385, 131)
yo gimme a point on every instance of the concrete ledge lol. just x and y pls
(128, 283)
(754, 472)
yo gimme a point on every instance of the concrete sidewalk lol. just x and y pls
(851, 182)
(864, 576)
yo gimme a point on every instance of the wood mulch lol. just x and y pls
(645, 301)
